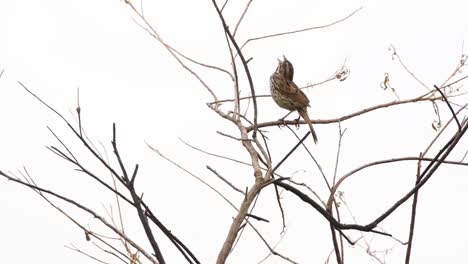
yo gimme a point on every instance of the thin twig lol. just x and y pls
(331, 78)
(395, 54)
(291, 151)
(215, 155)
(232, 137)
(242, 17)
(86, 254)
(152, 31)
(224, 180)
(81, 207)
(413, 215)
(450, 107)
(300, 30)
(425, 175)
(454, 82)
(78, 110)
(244, 62)
(319, 167)
(224, 5)
(179, 245)
(191, 174)
(136, 199)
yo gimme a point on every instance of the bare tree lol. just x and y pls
(242, 110)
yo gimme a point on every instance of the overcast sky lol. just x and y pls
(125, 76)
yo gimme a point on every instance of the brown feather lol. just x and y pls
(287, 95)
(297, 95)
(305, 116)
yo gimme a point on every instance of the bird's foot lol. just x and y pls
(297, 122)
(283, 122)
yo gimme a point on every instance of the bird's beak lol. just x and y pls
(284, 58)
(279, 62)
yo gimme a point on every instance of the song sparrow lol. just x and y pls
(287, 95)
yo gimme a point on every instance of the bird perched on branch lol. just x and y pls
(287, 95)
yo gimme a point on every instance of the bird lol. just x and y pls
(287, 95)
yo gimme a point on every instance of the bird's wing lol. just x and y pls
(297, 95)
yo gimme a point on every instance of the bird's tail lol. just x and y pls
(306, 118)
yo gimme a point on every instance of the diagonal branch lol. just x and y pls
(81, 207)
(244, 62)
(129, 183)
(425, 176)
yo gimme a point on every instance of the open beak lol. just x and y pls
(279, 64)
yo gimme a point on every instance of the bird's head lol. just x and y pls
(285, 68)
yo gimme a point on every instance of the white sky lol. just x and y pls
(126, 77)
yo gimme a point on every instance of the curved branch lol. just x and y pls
(341, 119)
(425, 176)
(449, 106)
(380, 162)
(300, 30)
